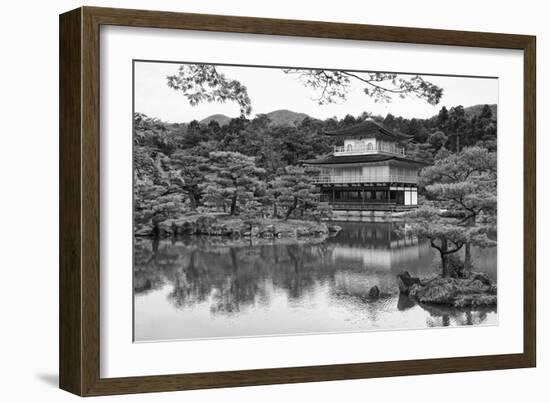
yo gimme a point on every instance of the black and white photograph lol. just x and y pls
(268, 202)
(282, 200)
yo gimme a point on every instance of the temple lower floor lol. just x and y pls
(371, 197)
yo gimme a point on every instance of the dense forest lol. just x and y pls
(253, 166)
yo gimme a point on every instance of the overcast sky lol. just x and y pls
(271, 89)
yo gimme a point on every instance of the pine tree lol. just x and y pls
(437, 139)
(463, 186)
(154, 200)
(188, 173)
(296, 190)
(236, 174)
(442, 118)
(457, 123)
(444, 234)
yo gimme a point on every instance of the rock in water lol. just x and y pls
(144, 230)
(300, 232)
(475, 291)
(374, 292)
(405, 302)
(405, 282)
(268, 231)
(482, 277)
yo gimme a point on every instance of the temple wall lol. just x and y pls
(359, 143)
(403, 171)
(376, 171)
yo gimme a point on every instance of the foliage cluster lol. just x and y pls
(460, 208)
(252, 165)
(247, 168)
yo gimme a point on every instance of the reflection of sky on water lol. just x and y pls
(203, 288)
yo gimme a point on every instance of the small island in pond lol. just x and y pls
(282, 187)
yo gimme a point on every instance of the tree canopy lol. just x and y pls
(203, 83)
(334, 85)
(461, 207)
(253, 166)
(234, 174)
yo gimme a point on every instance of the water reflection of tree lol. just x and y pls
(228, 275)
(230, 279)
(185, 290)
(300, 277)
(149, 265)
(447, 316)
(443, 315)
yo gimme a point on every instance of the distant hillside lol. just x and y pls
(280, 117)
(476, 110)
(221, 119)
(285, 117)
(471, 111)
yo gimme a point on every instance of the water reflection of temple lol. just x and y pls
(360, 256)
(380, 246)
(303, 284)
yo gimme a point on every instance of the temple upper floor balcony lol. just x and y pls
(357, 179)
(377, 148)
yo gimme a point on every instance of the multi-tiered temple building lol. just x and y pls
(369, 171)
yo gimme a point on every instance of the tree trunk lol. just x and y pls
(275, 212)
(444, 262)
(444, 266)
(468, 251)
(467, 256)
(233, 210)
(291, 208)
(155, 220)
(192, 202)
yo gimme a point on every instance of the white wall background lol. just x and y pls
(29, 198)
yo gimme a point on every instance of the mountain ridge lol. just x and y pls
(219, 118)
(476, 109)
(287, 117)
(278, 117)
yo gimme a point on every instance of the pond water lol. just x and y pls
(214, 287)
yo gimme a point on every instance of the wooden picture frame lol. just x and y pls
(79, 348)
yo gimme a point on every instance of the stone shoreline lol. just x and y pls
(474, 291)
(236, 227)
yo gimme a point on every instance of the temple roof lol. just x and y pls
(361, 159)
(369, 129)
